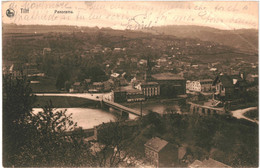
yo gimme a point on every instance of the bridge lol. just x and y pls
(99, 97)
(124, 111)
(89, 96)
(205, 110)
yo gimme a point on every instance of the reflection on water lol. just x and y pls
(86, 117)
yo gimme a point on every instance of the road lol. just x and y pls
(90, 96)
(240, 114)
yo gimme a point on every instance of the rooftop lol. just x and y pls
(149, 83)
(213, 163)
(156, 144)
(206, 80)
(77, 84)
(227, 80)
(208, 163)
(196, 163)
(167, 76)
(98, 83)
(181, 152)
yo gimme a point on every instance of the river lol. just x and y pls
(88, 117)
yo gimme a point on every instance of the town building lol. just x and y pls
(208, 163)
(229, 87)
(108, 85)
(118, 96)
(147, 86)
(161, 153)
(204, 85)
(86, 83)
(170, 84)
(76, 88)
(134, 95)
(98, 86)
(127, 95)
(150, 89)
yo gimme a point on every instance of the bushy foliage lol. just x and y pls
(218, 137)
(46, 138)
(17, 101)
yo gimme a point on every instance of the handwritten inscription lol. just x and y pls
(135, 16)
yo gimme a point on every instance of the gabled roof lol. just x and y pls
(76, 84)
(98, 83)
(206, 80)
(195, 164)
(87, 80)
(181, 152)
(208, 163)
(229, 80)
(156, 144)
(213, 163)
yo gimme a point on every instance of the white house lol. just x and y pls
(200, 85)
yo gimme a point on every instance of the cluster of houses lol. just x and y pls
(161, 153)
(91, 87)
(153, 86)
(29, 69)
(225, 88)
(87, 86)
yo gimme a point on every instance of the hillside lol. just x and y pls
(246, 40)
(201, 43)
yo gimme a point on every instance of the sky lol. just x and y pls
(134, 15)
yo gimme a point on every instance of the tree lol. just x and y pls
(56, 140)
(17, 107)
(46, 138)
(62, 77)
(111, 147)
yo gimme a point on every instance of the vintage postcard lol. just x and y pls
(130, 84)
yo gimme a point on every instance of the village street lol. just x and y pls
(240, 113)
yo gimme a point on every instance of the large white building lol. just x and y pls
(204, 85)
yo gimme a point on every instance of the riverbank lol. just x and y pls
(65, 102)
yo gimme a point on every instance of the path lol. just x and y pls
(240, 114)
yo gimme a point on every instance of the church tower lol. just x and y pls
(147, 75)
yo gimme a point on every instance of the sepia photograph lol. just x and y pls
(130, 84)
